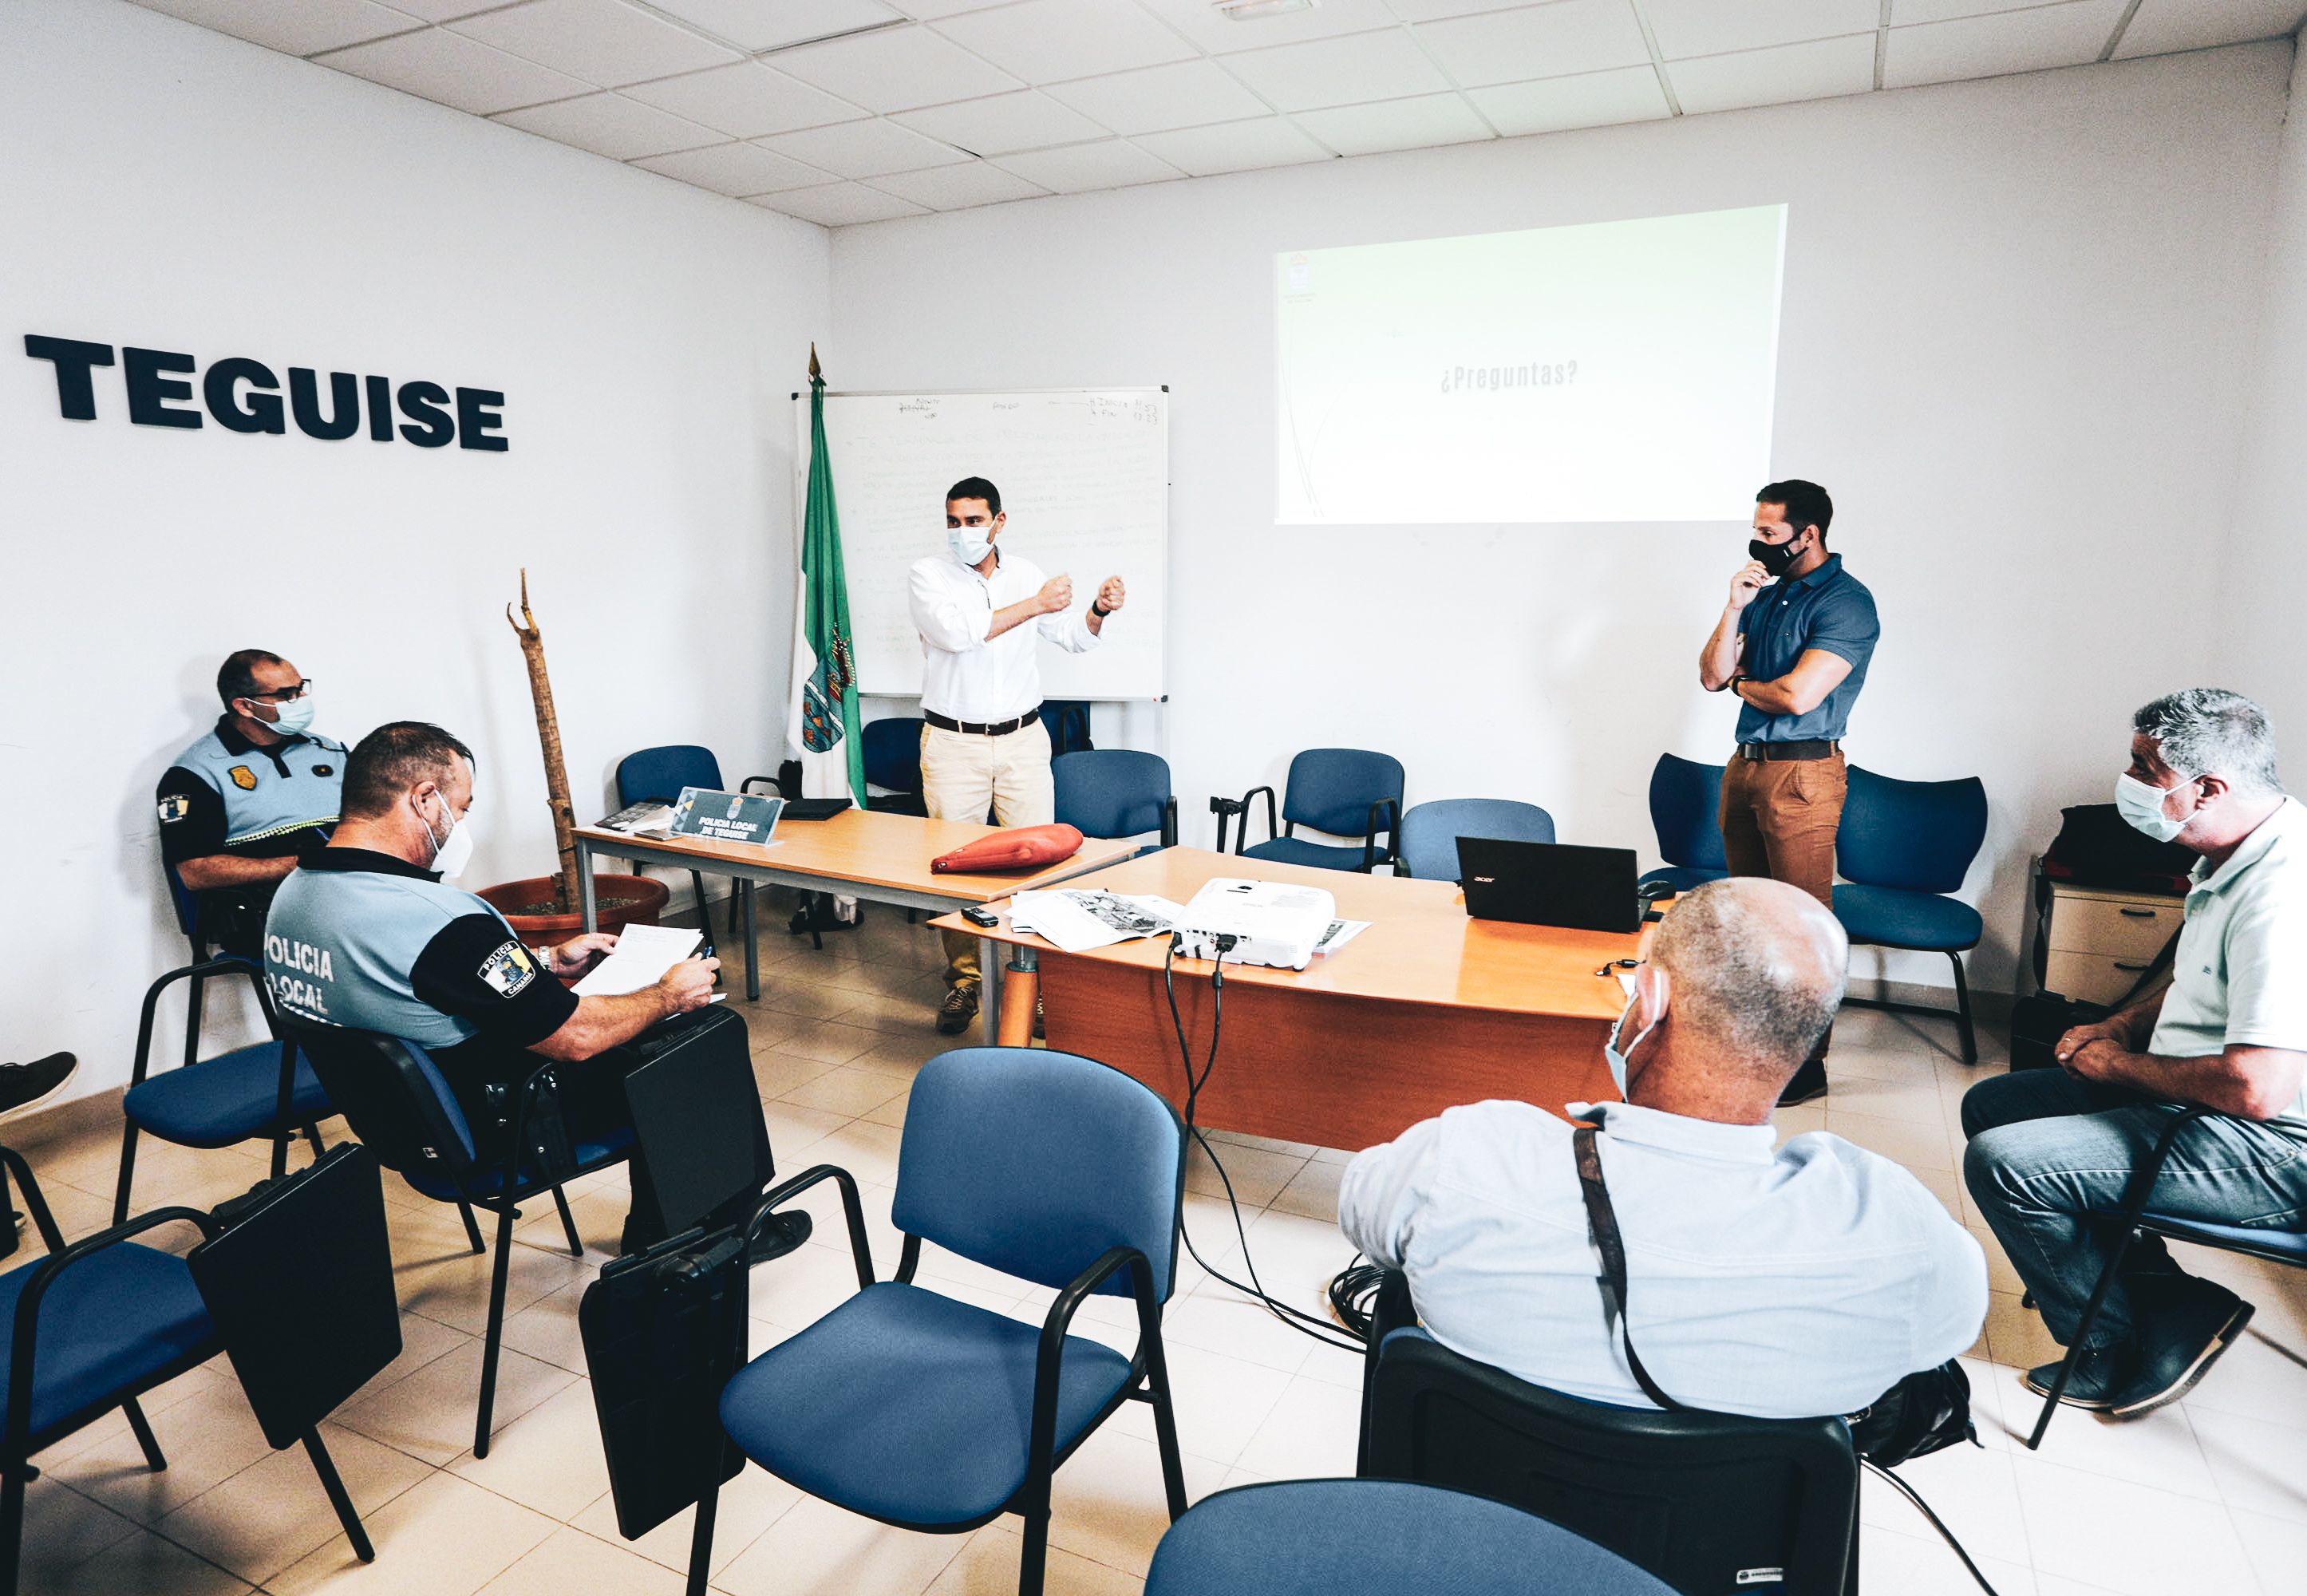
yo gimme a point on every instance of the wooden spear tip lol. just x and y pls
(815, 374)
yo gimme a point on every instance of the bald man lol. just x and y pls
(1778, 1281)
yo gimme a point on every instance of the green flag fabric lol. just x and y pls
(824, 723)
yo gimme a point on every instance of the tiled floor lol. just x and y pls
(2210, 1496)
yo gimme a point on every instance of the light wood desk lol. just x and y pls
(882, 857)
(1425, 1009)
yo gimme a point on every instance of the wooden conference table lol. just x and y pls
(1425, 1009)
(884, 858)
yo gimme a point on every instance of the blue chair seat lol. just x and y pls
(2290, 1245)
(1894, 917)
(485, 1182)
(1683, 877)
(1297, 850)
(109, 1321)
(224, 1100)
(945, 1444)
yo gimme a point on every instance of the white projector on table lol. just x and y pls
(1272, 922)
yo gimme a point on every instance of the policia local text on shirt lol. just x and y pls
(242, 805)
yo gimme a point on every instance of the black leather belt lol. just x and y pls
(1772, 753)
(999, 728)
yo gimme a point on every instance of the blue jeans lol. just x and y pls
(2047, 1151)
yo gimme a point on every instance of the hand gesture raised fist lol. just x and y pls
(1058, 594)
(1110, 594)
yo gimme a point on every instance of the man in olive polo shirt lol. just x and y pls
(2049, 1149)
(1794, 655)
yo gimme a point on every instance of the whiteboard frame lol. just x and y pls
(800, 493)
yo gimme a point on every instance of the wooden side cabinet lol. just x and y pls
(2096, 942)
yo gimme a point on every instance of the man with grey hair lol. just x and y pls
(1779, 1281)
(2050, 1149)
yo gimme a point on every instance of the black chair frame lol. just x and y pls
(1960, 1013)
(1148, 1381)
(2134, 1222)
(19, 1441)
(1229, 809)
(280, 1130)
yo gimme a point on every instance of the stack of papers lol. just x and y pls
(642, 955)
(1078, 921)
(641, 820)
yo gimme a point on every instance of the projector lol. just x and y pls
(1272, 922)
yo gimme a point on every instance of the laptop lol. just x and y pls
(1549, 884)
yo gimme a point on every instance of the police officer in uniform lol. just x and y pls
(369, 933)
(240, 806)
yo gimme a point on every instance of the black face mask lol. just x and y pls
(1777, 557)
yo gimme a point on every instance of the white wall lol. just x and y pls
(164, 185)
(2258, 645)
(2019, 321)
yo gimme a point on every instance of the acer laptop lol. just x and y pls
(1549, 884)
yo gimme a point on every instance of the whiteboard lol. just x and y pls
(1084, 479)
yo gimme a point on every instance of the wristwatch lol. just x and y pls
(1731, 686)
(1099, 610)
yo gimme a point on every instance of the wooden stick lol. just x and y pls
(548, 740)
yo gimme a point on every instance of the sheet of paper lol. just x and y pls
(642, 955)
(1341, 933)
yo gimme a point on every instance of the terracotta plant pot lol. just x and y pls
(623, 900)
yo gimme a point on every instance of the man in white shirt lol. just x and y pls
(2050, 1148)
(980, 613)
(1779, 1283)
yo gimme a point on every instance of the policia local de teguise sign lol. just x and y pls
(245, 396)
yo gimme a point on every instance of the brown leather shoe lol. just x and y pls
(958, 1011)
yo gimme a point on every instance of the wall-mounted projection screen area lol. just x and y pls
(1616, 371)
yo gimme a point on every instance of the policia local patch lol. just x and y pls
(509, 969)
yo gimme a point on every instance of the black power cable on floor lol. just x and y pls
(1312, 1326)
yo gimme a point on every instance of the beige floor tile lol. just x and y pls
(1221, 1403)
(822, 1201)
(143, 1562)
(2131, 1539)
(430, 1414)
(795, 1131)
(571, 1563)
(2277, 1546)
(1298, 1258)
(2260, 1467)
(422, 1340)
(1257, 1176)
(1903, 1098)
(1312, 1192)
(1237, 1325)
(207, 1438)
(829, 1041)
(274, 1512)
(818, 1549)
(904, 1052)
(1107, 1503)
(748, 1505)
(795, 999)
(1333, 1155)
(987, 1566)
(1971, 1488)
(892, 1112)
(547, 1330)
(454, 1290)
(550, 1461)
(2015, 1335)
(1311, 1434)
(600, 1224)
(2000, 1275)
(2260, 1378)
(1848, 1059)
(2164, 1449)
(63, 1530)
(906, 1012)
(777, 1073)
(845, 1091)
(868, 1152)
(1893, 1564)
(1799, 1119)
(1264, 1144)
(442, 1537)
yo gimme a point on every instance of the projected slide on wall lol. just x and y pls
(1613, 371)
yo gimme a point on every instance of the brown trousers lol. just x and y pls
(1778, 820)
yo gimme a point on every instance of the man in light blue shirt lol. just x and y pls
(2050, 1148)
(1779, 1281)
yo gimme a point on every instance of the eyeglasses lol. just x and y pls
(279, 694)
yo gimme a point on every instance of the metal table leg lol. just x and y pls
(752, 946)
(585, 900)
(989, 988)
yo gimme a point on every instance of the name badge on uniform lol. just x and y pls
(726, 817)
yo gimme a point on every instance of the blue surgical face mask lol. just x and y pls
(2143, 806)
(296, 716)
(1612, 1053)
(970, 544)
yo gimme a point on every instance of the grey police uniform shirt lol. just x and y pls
(366, 940)
(225, 795)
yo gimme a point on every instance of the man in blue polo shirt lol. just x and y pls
(1794, 655)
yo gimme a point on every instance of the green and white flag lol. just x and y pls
(822, 723)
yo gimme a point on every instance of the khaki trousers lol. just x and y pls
(1778, 820)
(964, 775)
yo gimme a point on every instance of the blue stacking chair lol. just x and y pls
(1116, 791)
(1687, 813)
(657, 776)
(933, 1414)
(2134, 1219)
(396, 1101)
(893, 762)
(91, 1328)
(1321, 1537)
(260, 1089)
(1430, 831)
(1342, 792)
(1901, 847)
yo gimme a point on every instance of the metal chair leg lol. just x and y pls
(339, 1498)
(142, 1428)
(1034, 1561)
(127, 1172)
(1962, 1010)
(568, 1225)
(12, 1524)
(472, 1228)
(495, 1342)
(2082, 1332)
(700, 1540)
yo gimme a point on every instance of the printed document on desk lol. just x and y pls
(642, 955)
(1079, 921)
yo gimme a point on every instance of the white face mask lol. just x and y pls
(453, 852)
(1611, 1054)
(2143, 806)
(970, 544)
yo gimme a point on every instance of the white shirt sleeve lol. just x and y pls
(1383, 1190)
(1951, 1306)
(953, 616)
(2266, 1001)
(1070, 630)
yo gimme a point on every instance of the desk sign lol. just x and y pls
(726, 817)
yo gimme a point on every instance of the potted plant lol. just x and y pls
(544, 910)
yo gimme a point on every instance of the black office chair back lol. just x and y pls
(1708, 1501)
(393, 1097)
